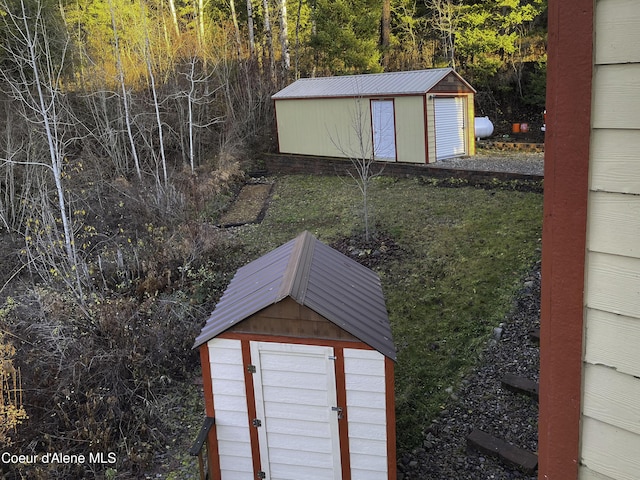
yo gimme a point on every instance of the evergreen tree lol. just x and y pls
(346, 38)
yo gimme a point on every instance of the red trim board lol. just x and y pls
(569, 74)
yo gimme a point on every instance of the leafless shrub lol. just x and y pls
(101, 383)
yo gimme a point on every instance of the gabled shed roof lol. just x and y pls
(316, 276)
(416, 82)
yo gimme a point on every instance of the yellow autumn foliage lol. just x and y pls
(12, 412)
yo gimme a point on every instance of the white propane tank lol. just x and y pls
(483, 126)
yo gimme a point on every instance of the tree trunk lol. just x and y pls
(234, 18)
(269, 39)
(252, 41)
(154, 91)
(385, 32)
(125, 94)
(297, 47)
(284, 39)
(200, 22)
(174, 17)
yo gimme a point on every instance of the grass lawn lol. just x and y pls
(464, 251)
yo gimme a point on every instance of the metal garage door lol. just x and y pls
(295, 391)
(384, 130)
(450, 127)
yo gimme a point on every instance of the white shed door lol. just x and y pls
(450, 127)
(295, 390)
(384, 130)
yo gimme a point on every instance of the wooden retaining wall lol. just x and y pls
(308, 165)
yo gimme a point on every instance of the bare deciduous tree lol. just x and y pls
(125, 94)
(268, 35)
(154, 91)
(284, 39)
(34, 80)
(197, 97)
(358, 148)
(445, 21)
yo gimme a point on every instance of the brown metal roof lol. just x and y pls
(316, 276)
(415, 82)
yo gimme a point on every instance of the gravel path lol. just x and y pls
(481, 402)
(531, 163)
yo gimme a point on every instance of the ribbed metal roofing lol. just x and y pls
(316, 276)
(416, 82)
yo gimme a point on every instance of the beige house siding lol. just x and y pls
(588, 474)
(610, 429)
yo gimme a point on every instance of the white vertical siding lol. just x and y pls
(366, 406)
(610, 436)
(231, 414)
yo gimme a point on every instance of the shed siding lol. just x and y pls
(324, 127)
(431, 131)
(366, 407)
(333, 122)
(230, 403)
(471, 126)
(410, 129)
(329, 126)
(610, 437)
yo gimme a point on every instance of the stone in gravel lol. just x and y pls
(497, 333)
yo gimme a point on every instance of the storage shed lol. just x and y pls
(297, 361)
(414, 117)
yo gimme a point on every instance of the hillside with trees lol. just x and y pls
(126, 127)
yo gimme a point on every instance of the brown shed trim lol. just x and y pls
(251, 405)
(295, 340)
(343, 423)
(570, 47)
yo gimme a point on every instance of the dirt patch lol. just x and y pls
(250, 205)
(377, 251)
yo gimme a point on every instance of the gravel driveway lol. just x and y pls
(530, 163)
